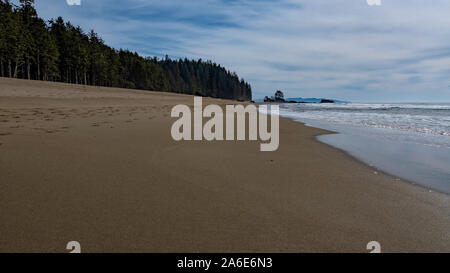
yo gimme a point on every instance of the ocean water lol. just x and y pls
(410, 141)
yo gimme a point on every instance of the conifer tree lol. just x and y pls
(31, 48)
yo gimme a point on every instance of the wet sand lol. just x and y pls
(99, 166)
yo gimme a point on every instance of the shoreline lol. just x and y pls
(98, 165)
(379, 170)
(417, 155)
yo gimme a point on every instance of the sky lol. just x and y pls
(398, 51)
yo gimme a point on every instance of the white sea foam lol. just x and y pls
(415, 118)
(410, 141)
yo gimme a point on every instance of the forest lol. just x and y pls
(34, 49)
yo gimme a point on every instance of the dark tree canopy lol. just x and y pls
(279, 96)
(31, 48)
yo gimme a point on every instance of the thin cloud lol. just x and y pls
(73, 2)
(342, 49)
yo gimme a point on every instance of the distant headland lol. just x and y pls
(279, 97)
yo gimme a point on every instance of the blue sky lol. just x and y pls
(343, 49)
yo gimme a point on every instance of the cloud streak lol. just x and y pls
(73, 2)
(399, 51)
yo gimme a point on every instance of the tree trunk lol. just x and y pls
(38, 67)
(3, 71)
(9, 68)
(45, 77)
(28, 69)
(16, 68)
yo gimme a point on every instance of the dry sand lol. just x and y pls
(98, 166)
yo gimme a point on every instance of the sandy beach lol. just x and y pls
(99, 166)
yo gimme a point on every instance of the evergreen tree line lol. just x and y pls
(31, 48)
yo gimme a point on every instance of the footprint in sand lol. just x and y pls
(5, 134)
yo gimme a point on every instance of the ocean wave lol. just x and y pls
(372, 106)
(426, 119)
